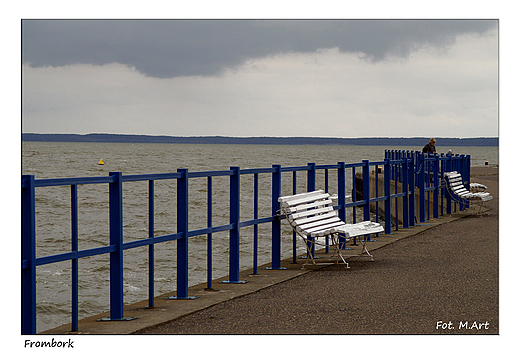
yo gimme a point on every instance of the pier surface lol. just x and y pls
(438, 277)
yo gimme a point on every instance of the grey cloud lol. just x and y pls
(170, 48)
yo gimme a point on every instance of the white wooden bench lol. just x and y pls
(461, 194)
(312, 216)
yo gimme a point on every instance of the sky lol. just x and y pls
(323, 78)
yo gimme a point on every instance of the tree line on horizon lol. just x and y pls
(378, 141)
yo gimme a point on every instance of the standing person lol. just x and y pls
(430, 147)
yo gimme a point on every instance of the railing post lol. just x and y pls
(151, 248)
(405, 190)
(411, 191)
(311, 177)
(182, 242)
(436, 185)
(234, 220)
(311, 186)
(342, 211)
(29, 254)
(366, 193)
(74, 261)
(255, 227)
(209, 241)
(421, 182)
(466, 161)
(276, 236)
(387, 177)
(449, 168)
(115, 195)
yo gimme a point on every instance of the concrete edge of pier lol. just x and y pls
(166, 310)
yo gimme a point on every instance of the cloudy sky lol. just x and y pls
(327, 78)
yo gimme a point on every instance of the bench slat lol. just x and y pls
(295, 216)
(299, 208)
(306, 199)
(297, 196)
(326, 227)
(310, 226)
(302, 221)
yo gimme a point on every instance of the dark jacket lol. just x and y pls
(428, 148)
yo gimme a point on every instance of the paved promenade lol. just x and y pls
(442, 279)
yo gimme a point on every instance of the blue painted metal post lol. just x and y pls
(411, 190)
(467, 172)
(234, 220)
(311, 186)
(182, 242)
(342, 211)
(116, 238)
(422, 177)
(436, 185)
(74, 261)
(354, 197)
(29, 254)
(210, 235)
(276, 241)
(388, 216)
(294, 233)
(366, 193)
(151, 234)
(449, 168)
(115, 195)
(311, 177)
(405, 190)
(255, 227)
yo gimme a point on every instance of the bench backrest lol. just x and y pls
(310, 212)
(455, 182)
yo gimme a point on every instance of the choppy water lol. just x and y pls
(53, 160)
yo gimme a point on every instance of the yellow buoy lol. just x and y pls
(101, 162)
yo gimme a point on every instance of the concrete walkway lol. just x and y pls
(439, 277)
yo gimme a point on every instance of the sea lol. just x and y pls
(53, 232)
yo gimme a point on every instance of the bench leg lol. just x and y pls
(365, 250)
(336, 245)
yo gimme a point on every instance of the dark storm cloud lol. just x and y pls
(171, 48)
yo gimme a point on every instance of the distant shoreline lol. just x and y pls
(374, 141)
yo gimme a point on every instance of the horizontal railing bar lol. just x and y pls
(74, 255)
(144, 177)
(353, 165)
(354, 204)
(330, 166)
(400, 194)
(398, 161)
(198, 174)
(208, 230)
(256, 171)
(253, 222)
(372, 163)
(378, 199)
(294, 168)
(73, 181)
(167, 238)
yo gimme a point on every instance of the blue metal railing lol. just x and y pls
(395, 164)
(428, 178)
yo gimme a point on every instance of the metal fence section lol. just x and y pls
(412, 169)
